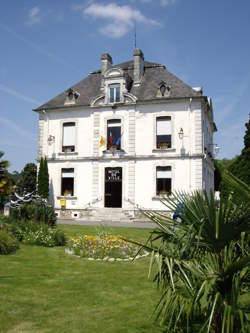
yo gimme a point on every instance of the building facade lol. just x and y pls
(125, 136)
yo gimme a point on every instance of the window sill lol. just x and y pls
(112, 152)
(67, 197)
(160, 197)
(72, 153)
(163, 150)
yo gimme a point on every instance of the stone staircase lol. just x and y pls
(102, 215)
(109, 215)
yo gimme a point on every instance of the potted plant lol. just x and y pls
(163, 145)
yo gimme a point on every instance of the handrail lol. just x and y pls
(92, 202)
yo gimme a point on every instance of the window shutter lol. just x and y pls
(164, 173)
(69, 134)
(67, 173)
(164, 126)
(114, 123)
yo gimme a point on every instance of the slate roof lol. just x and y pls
(154, 74)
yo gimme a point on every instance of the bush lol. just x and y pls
(8, 243)
(38, 234)
(35, 212)
(59, 238)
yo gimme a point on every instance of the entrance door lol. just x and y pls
(113, 187)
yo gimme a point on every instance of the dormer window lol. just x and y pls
(114, 93)
(71, 96)
(163, 90)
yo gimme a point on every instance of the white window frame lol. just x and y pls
(105, 129)
(65, 121)
(162, 163)
(74, 181)
(168, 172)
(154, 141)
(115, 86)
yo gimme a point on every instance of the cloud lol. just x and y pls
(34, 16)
(231, 104)
(19, 95)
(38, 48)
(163, 3)
(230, 121)
(121, 19)
(9, 144)
(167, 2)
(230, 138)
(17, 128)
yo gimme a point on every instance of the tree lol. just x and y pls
(43, 179)
(27, 179)
(15, 175)
(40, 177)
(241, 166)
(46, 180)
(5, 180)
(202, 263)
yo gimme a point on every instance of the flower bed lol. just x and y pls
(104, 247)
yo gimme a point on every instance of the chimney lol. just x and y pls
(138, 65)
(106, 62)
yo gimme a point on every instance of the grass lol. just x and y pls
(46, 290)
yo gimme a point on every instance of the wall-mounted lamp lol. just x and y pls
(181, 133)
(51, 139)
(216, 148)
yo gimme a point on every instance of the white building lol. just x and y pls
(124, 136)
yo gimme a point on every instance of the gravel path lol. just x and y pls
(142, 225)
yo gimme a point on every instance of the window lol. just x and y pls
(163, 180)
(114, 93)
(163, 132)
(114, 134)
(68, 137)
(67, 188)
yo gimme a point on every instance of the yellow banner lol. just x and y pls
(63, 202)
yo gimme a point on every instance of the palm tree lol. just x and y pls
(202, 264)
(3, 173)
(5, 180)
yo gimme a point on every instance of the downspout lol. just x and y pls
(189, 134)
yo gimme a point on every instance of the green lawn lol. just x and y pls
(46, 290)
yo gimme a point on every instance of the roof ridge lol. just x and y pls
(128, 65)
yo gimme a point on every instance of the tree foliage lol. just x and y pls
(27, 179)
(43, 179)
(5, 179)
(15, 176)
(202, 264)
(241, 166)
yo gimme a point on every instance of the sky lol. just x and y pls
(46, 46)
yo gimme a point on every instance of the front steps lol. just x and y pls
(110, 214)
(102, 215)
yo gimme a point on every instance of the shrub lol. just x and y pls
(35, 212)
(4, 220)
(38, 234)
(59, 237)
(202, 263)
(8, 243)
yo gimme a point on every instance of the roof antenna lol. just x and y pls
(135, 35)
